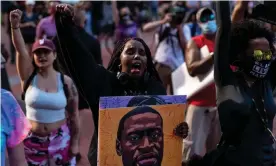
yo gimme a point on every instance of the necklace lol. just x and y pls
(264, 120)
(134, 93)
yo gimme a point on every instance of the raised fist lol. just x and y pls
(15, 18)
(65, 9)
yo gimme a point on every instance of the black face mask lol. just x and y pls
(256, 69)
(125, 17)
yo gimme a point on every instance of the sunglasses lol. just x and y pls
(260, 55)
(207, 18)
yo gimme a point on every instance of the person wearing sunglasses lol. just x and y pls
(244, 95)
(201, 113)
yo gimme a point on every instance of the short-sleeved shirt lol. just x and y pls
(169, 51)
(14, 125)
(126, 31)
(46, 28)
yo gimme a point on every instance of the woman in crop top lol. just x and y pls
(244, 95)
(48, 95)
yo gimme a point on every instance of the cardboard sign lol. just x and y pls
(183, 83)
(139, 130)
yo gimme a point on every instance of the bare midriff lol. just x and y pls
(44, 129)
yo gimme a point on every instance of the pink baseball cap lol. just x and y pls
(43, 43)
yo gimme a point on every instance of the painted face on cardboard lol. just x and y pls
(142, 140)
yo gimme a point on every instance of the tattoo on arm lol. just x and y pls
(74, 90)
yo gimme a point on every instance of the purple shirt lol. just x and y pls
(46, 28)
(126, 31)
(14, 125)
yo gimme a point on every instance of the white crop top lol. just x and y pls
(45, 107)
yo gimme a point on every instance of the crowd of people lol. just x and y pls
(56, 48)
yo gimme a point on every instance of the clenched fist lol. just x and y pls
(65, 9)
(15, 18)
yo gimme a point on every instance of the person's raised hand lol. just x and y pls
(167, 18)
(65, 9)
(15, 18)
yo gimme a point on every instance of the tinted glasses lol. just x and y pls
(260, 55)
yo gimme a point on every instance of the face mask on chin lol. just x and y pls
(125, 17)
(209, 28)
(256, 69)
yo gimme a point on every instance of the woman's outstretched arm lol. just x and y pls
(223, 73)
(24, 62)
(82, 66)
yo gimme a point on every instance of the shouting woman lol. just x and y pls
(130, 71)
(47, 96)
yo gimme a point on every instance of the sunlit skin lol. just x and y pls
(142, 140)
(134, 59)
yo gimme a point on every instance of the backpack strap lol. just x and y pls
(65, 86)
(28, 83)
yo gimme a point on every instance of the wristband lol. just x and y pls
(15, 27)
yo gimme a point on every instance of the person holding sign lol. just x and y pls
(130, 71)
(201, 110)
(244, 96)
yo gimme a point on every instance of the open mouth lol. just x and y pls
(148, 159)
(136, 67)
(42, 61)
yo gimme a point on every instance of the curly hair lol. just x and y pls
(115, 61)
(244, 31)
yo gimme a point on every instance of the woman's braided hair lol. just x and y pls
(115, 61)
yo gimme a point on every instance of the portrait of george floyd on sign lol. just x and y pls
(139, 130)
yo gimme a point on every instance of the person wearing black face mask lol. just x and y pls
(244, 92)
